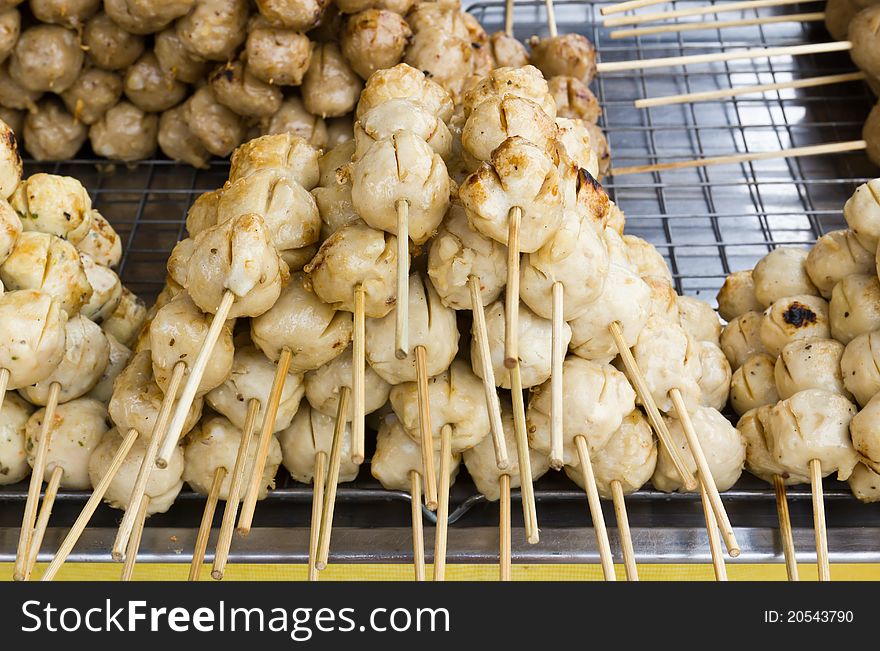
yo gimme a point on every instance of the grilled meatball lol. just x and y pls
(151, 88)
(498, 118)
(860, 367)
(15, 96)
(405, 82)
(526, 83)
(759, 460)
(76, 430)
(202, 214)
(110, 46)
(397, 455)
(385, 120)
(277, 55)
(51, 133)
(444, 56)
(862, 33)
(125, 133)
(58, 205)
(507, 51)
(574, 99)
(854, 308)
(330, 87)
(666, 356)
(864, 484)
(219, 129)
(301, 15)
(309, 433)
(215, 445)
(571, 55)
(782, 273)
(741, 338)
(737, 296)
(236, 88)
(32, 342)
(106, 289)
(293, 118)
(333, 193)
(796, 317)
(117, 360)
(323, 386)
(178, 142)
(13, 455)
(835, 256)
(10, 28)
(810, 364)
(10, 229)
(145, 16)
(92, 94)
(101, 242)
(664, 300)
(712, 372)
(374, 39)
(698, 319)
(127, 319)
(862, 214)
(175, 60)
(10, 162)
(46, 58)
(68, 13)
(214, 29)
(285, 151)
(12, 118)
(646, 259)
(753, 384)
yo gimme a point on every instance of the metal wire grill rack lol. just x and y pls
(707, 222)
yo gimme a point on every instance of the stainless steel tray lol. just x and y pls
(707, 222)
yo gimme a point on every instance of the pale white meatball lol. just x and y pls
(33, 336)
(285, 151)
(397, 455)
(309, 433)
(810, 364)
(520, 175)
(862, 214)
(860, 367)
(215, 445)
(812, 424)
(13, 455)
(313, 331)
(712, 372)
(405, 82)
(431, 325)
(10, 229)
(575, 257)
(101, 242)
(86, 355)
(721, 443)
(330, 87)
(759, 461)
(698, 319)
(384, 120)
(324, 384)
(117, 360)
(573, 136)
(356, 255)
(106, 289)
(202, 214)
(458, 252)
(526, 82)
(646, 259)
(630, 458)
(854, 308)
(127, 319)
(333, 193)
(666, 356)
(456, 400)
(835, 256)
(177, 334)
(251, 379)
(444, 56)
(53, 204)
(50, 264)
(864, 484)
(498, 118)
(483, 468)
(753, 384)
(163, 484)
(663, 301)
(737, 295)
(75, 431)
(535, 346)
(741, 338)
(10, 161)
(293, 117)
(624, 300)
(793, 318)
(782, 273)
(596, 399)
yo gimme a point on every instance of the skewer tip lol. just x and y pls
(161, 463)
(320, 565)
(509, 362)
(734, 551)
(690, 484)
(117, 556)
(357, 459)
(556, 464)
(400, 353)
(534, 539)
(217, 575)
(431, 504)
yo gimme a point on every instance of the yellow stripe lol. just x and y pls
(382, 572)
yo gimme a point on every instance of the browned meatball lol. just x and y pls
(10, 28)
(150, 88)
(330, 88)
(46, 57)
(214, 29)
(294, 118)
(864, 33)
(145, 16)
(374, 39)
(92, 94)
(125, 133)
(68, 13)
(236, 88)
(177, 141)
(109, 46)
(13, 95)
(174, 59)
(571, 55)
(51, 133)
(508, 51)
(573, 99)
(13, 118)
(219, 129)
(353, 6)
(300, 15)
(278, 55)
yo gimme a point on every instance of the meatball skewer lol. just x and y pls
(322, 548)
(207, 520)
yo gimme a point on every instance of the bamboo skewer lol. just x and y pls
(89, 509)
(595, 508)
(443, 504)
(557, 358)
(39, 470)
(198, 558)
(318, 481)
(819, 521)
(227, 525)
(332, 480)
(785, 531)
(418, 534)
(817, 16)
(704, 473)
(794, 152)
(426, 436)
(4, 382)
(504, 559)
(508, 17)
(43, 519)
(714, 542)
(143, 476)
(723, 7)
(755, 53)
(401, 333)
(197, 371)
(493, 405)
(358, 377)
(134, 542)
(626, 543)
(511, 301)
(647, 398)
(551, 18)
(527, 490)
(628, 6)
(706, 96)
(270, 413)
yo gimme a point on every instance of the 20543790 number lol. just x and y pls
(819, 616)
